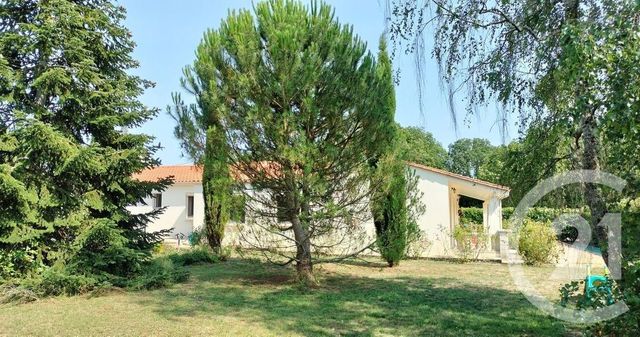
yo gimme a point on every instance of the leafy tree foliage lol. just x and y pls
(542, 152)
(466, 156)
(419, 146)
(543, 61)
(300, 102)
(493, 166)
(66, 160)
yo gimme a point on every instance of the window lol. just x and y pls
(157, 200)
(190, 206)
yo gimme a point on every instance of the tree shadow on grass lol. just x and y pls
(346, 305)
(364, 263)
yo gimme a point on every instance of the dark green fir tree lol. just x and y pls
(66, 158)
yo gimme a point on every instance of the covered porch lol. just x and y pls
(491, 201)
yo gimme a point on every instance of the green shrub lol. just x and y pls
(104, 252)
(537, 243)
(79, 277)
(471, 239)
(159, 273)
(193, 256)
(102, 260)
(471, 215)
(51, 282)
(54, 283)
(195, 238)
(19, 262)
(507, 212)
(545, 214)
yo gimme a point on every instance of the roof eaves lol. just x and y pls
(459, 176)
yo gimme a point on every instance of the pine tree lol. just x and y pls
(66, 160)
(296, 96)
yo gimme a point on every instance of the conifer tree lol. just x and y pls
(393, 220)
(296, 94)
(201, 135)
(66, 159)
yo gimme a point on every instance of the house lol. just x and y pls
(183, 201)
(440, 194)
(441, 191)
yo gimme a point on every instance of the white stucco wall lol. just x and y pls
(440, 193)
(174, 199)
(258, 230)
(494, 220)
(435, 222)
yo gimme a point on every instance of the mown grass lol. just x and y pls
(247, 297)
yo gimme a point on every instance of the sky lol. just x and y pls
(167, 32)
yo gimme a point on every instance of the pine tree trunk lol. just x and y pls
(592, 192)
(304, 264)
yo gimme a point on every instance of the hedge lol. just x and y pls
(474, 215)
(543, 214)
(471, 215)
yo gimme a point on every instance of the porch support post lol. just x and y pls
(454, 200)
(493, 218)
(503, 242)
(493, 209)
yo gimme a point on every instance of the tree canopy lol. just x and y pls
(467, 156)
(300, 103)
(67, 161)
(416, 145)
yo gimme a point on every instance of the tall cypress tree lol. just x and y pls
(389, 204)
(216, 187)
(201, 136)
(66, 160)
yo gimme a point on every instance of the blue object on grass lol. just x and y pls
(595, 284)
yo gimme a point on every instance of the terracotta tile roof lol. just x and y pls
(193, 173)
(180, 173)
(459, 176)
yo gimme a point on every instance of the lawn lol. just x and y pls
(247, 297)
